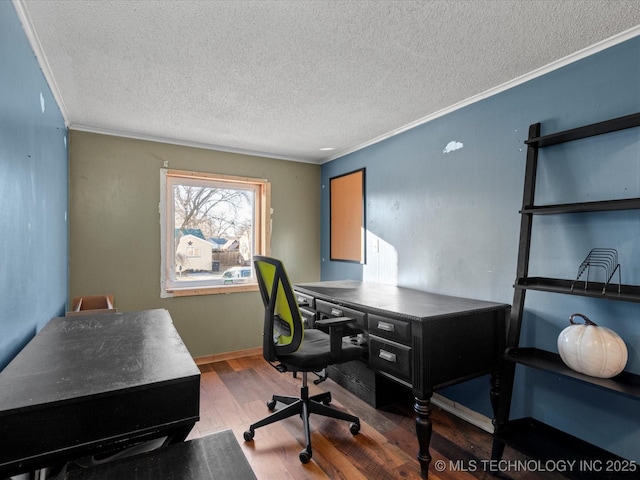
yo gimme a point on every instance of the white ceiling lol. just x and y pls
(286, 78)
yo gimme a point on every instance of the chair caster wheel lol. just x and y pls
(354, 428)
(248, 435)
(327, 400)
(271, 405)
(305, 456)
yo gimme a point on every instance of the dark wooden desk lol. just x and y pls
(421, 340)
(89, 383)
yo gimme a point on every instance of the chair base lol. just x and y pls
(303, 406)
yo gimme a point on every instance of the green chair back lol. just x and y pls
(283, 329)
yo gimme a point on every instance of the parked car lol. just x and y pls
(237, 275)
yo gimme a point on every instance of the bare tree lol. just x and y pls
(215, 211)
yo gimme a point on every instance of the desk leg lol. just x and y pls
(495, 395)
(423, 431)
(498, 447)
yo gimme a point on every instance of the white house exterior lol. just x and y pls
(193, 253)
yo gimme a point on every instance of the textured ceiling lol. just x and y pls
(288, 78)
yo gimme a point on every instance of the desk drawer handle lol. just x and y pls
(388, 356)
(336, 313)
(386, 326)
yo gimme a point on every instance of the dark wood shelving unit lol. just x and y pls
(601, 206)
(626, 293)
(625, 383)
(531, 436)
(608, 126)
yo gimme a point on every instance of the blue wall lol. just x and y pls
(449, 223)
(33, 193)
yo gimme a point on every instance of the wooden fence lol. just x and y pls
(223, 260)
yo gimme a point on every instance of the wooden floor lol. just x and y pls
(234, 395)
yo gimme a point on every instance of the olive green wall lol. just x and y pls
(114, 232)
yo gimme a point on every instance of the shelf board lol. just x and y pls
(625, 383)
(608, 126)
(541, 441)
(600, 206)
(627, 293)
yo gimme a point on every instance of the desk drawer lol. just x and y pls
(390, 328)
(390, 357)
(308, 317)
(332, 310)
(305, 300)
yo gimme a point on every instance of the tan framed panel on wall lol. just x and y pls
(347, 217)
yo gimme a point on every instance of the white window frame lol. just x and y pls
(261, 230)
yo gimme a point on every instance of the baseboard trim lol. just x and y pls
(221, 357)
(460, 411)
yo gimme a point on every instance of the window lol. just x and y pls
(211, 226)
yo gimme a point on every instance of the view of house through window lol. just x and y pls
(212, 225)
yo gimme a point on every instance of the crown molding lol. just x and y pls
(183, 143)
(36, 46)
(574, 57)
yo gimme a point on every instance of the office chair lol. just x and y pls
(288, 347)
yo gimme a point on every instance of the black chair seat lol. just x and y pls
(314, 354)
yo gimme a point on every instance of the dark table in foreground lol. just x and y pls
(87, 384)
(421, 340)
(215, 457)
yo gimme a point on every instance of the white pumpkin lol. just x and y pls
(592, 350)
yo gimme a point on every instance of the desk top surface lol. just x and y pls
(388, 299)
(80, 356)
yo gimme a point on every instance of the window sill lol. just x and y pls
(193, 291)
